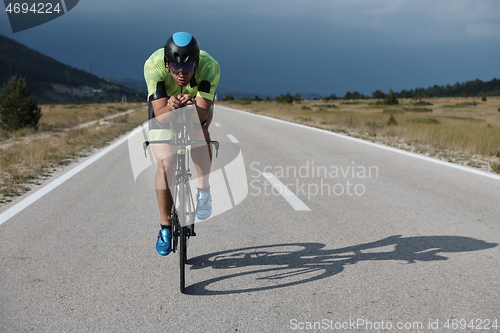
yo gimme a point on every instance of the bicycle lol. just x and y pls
(183, 208)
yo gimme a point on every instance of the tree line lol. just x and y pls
(476, 88)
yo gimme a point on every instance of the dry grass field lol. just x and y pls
(65, 133)
(459, 130)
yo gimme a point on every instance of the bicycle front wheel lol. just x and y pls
(182, 237)
(182, 259)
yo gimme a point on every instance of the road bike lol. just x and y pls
(183, 208)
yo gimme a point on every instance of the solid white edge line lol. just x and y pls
(399, 151)
(285, 192)
(20, 206)
(232, 138)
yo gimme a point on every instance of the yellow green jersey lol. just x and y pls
(161, 84)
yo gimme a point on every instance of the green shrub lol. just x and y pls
(18, 109)
(495, 167)
(392, 121)
(288, 98)
(461, 105)
(390, 98)
(326, 105)
(393, 111)
(424, 120)
(417, 110)
(422, 103)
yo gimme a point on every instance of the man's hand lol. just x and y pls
(186, 99)
(174, 103)
(164, 106)
(179, 101)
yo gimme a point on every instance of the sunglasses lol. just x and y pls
(184, 68)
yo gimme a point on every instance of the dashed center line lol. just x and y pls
(232, 138)
(291, 198)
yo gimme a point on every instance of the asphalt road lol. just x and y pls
(367, 240)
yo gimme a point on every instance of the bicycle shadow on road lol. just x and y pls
(269, 267)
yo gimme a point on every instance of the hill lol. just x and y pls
(51, 81)
(131, 83)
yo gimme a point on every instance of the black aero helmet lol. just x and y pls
(181, 48)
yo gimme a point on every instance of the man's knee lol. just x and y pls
(165, 165)
(206, 133)
(208, 119)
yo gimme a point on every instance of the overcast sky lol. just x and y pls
(278, 46)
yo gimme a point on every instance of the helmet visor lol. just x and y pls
(184, 68)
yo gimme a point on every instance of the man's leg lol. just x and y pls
(165, 158)
(202, 159)
(163, 195)
(202, 153)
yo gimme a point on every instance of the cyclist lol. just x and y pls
(180, 75)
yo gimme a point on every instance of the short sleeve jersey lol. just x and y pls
(161, 84)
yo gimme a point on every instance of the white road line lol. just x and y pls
(217, 124)
(291, 198)
(232, 138)
(19, 207)
(395, 150)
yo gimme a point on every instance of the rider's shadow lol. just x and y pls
(276, 266)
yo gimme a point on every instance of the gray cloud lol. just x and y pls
(275, 46)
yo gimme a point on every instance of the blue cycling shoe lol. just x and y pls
(163, 246)
(203, 203)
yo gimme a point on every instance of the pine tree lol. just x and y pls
(390, 98)
(18, 109)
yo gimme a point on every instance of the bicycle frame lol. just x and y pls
(182, 174)
(183, 208)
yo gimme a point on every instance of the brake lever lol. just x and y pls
(216, 144)
(145, 145)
